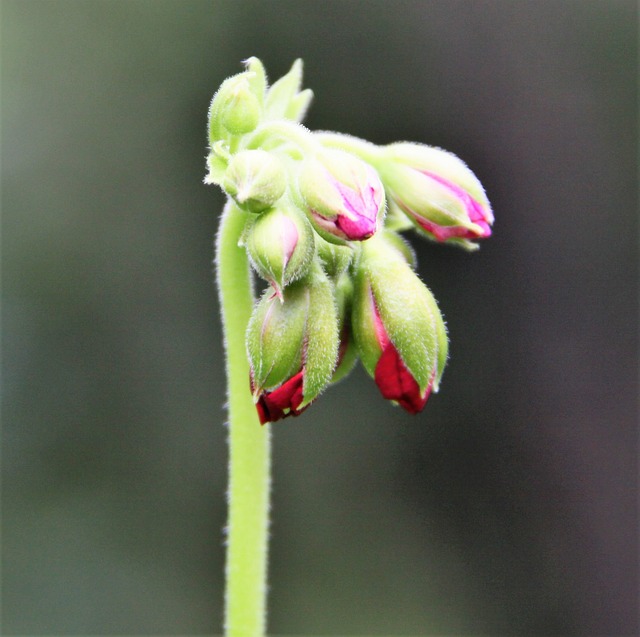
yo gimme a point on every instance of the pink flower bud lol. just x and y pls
(342, 195)
(392, 376)
(280, 244)
(437, 191)
(398, 328)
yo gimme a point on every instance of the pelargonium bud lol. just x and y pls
(398, 327)
(240, 109)
(237, 106)
(256, 179)
(280, 244)
(292, 346)
(342, 194)
(437, 191)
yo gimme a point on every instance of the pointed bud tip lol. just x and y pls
(396, 382)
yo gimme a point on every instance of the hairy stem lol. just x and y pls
(249, 444)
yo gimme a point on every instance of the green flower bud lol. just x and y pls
(236, 109)
(280, 244)
(256, 179)
(292, 346)
(240, 110)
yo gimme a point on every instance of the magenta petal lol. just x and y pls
(396, 382)
(281, 402)
(477, 213)
(361, 218)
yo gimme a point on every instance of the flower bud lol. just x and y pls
(292, 346)
(240, 112)
(280, 244)
(437, 191)
(235, 108)
(256, 179)
(342, 194)
(398, 328)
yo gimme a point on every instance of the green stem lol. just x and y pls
(249, 444)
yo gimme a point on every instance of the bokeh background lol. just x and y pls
(509, 507)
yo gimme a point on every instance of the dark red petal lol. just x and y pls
(281, 402)
(396, 382)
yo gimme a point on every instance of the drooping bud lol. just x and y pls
(280, 244)
(398, 327)
(342, 194)
(256, 179)
(292, 346)
(437, 191)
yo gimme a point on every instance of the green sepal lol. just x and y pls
(347, 351)
(299, 105)
(283, 91)
(363, 324)
(257, 78)
(322, 335)
(396, 219)
(442, 340)
(217, 163)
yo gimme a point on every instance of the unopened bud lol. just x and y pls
(280, 244)
(256, 179)
(398, 327)
(437, 191)
(292, 347)
(342, 195)
(239, 108)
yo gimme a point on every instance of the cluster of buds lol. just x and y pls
(323, 214)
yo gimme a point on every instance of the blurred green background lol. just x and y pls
(509, 507)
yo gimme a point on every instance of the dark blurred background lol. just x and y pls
(509, 507)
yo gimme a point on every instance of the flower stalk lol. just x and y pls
(249, 444)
